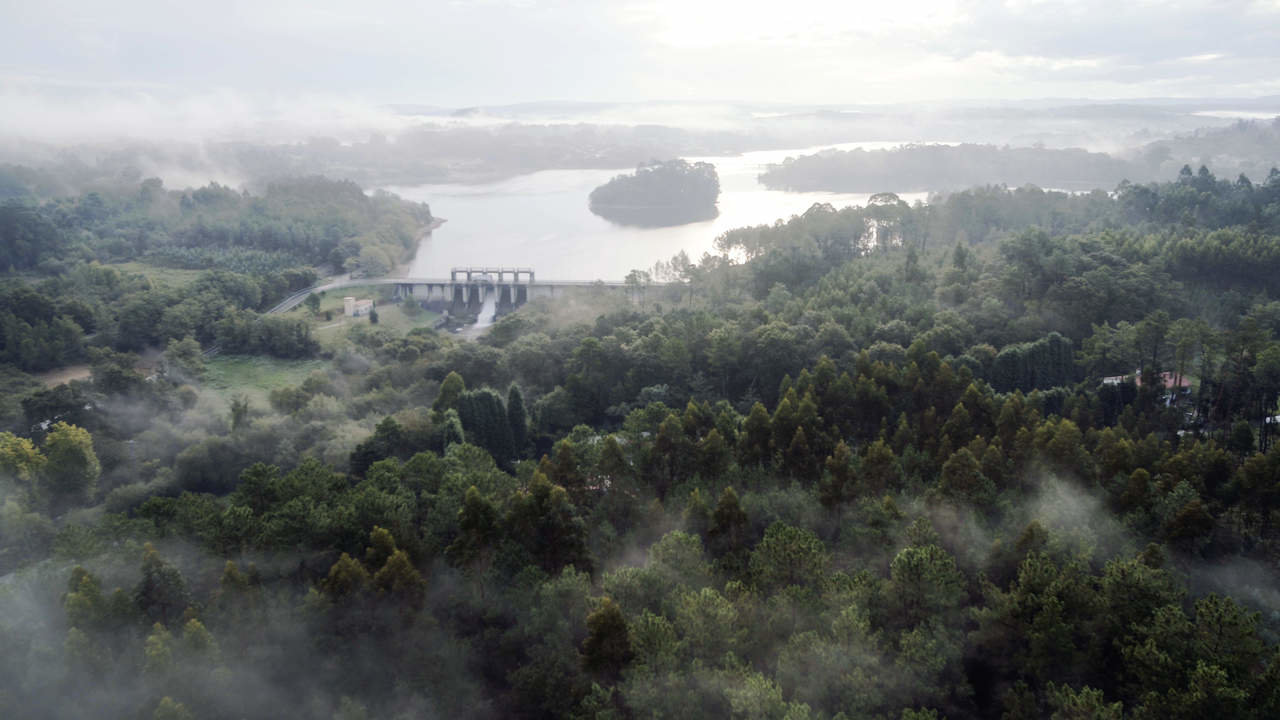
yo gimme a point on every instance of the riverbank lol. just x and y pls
(402, 269)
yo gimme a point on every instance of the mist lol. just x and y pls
(547, 359)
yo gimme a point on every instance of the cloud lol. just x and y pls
(45, 111)
(462, 53)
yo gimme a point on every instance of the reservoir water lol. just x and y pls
(541, 220)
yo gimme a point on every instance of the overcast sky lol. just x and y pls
(234, 55)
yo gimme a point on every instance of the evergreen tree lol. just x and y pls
(756, 434)
(70, 471)
(789, 556)
(562, 469)
(161, 594)
(517, 419)
(486, 423)
(670, 448)
(880, 471)
(785, 421)
(837, 484)
(799, 458)
(20, 460)
(697, 516)
(451, 432)
(170, 709)
(546, 524)
(400, 583)
(381, 547)
(613, 462)
(713, 455)
(727, 536)
(607, 649)
(347, 580)
(962, 479)
(450, 391)
(478, 535)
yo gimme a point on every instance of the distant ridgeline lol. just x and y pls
(660, 194)
(949, 167)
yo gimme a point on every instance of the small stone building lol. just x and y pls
(352, 307)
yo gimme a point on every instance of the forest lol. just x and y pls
(659, 194)
(1007, 454)
(1244, 148)
(67, 294)
(947, 167)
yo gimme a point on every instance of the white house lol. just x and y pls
(352, 307)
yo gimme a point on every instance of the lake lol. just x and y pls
(541, 220)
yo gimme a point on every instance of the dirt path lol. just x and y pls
(53, 378)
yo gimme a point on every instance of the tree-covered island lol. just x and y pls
(659, 194)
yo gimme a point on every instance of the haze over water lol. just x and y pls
(541, 220)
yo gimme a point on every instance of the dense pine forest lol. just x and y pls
(1009, 454)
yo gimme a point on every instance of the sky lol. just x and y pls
(217, 63)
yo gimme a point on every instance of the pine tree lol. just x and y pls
(959, 426)
(564, 472)
(788, 556)
(450, 391)
(697, 516)
(83, 602)
(837, 484)
(451, 432)
(713, 455)
(545, 522)
(613, 463)
(170, 709)
(235, 595)
(157, 651)
(161, 594)
(478, 534)
(239, 411)
(669, 445)
(727, 536)
(198, 642)
(485, 420)
(607, 649)
(399, 581)
(962, 479)
(784, 421)
(381, 547)
(799, 459)
(517, 420)
(755, 438)
(70, 471)
(880, 470)
(347, 579)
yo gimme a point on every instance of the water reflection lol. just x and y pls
(654, 217)
(541, 220)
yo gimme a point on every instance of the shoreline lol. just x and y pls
(402, 269)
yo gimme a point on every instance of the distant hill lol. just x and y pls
(1249, 147)
(948, 167)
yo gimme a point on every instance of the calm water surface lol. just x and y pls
(541, 220)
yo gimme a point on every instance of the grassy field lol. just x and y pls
(390, 316)
(160, 276)
(255, 376)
